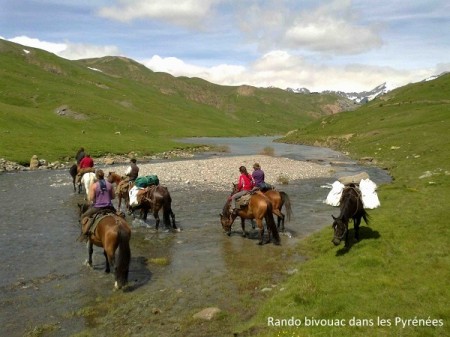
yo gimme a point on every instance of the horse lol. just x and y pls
(73, 172)
(155, 198)
(113, 234)
(278, 199)
(351, 207)
(122, 189)
(87, 180)
(258, 208)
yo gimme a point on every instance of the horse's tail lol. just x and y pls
(365, 216)
(286, 201)
(124, 257)
(271, 222)
(167, 210)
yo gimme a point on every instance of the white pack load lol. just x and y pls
(334, 195)
(369, 194)
(133, 195)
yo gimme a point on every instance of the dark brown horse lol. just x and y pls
(155, 198)
(278, 199)
(73, 172)
(112, 233)
(123, 187)
(351, 207)
(258, 208)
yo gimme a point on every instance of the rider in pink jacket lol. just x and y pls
(245, 185)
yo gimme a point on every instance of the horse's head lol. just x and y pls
(225, 220)
(340, 230)
(82, 208)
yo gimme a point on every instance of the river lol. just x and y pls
(46, 289)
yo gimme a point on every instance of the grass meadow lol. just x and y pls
(394, 282)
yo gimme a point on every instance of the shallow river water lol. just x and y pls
(46, 288)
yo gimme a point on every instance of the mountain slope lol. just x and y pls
(50, 106)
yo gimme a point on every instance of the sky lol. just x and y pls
(315, 44)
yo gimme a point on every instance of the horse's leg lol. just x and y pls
(120, 203)
(156, 216)
(172, 215)
(347, 243)
(107, 269)
(260, 224)
(244, 233)
(280, 219)
(90, 248)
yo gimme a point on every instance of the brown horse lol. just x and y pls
(155, 198)
(111, 233)
(278, 199)
(122, 189)
(258, 208)
(351, 207)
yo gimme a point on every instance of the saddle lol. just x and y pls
(89, 224)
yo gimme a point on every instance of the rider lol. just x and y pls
(86, 165)
(258, 178)
(244, 186)
(101, 193)
(80, 155)
(132, 171)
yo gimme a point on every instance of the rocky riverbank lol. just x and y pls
(213, 173)
(42, 164)
(218, 173)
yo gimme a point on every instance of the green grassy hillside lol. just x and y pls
(396, 278)
(50, 106)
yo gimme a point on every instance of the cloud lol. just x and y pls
(283, 70)
(330, 35)
(71, 51)
(187, 13)
(276, 68)
(331, 28)
(54, 48)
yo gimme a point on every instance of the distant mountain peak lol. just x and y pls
(357, 97)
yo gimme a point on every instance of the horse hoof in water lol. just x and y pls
(86, 263)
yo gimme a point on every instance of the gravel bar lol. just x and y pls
(219, 173)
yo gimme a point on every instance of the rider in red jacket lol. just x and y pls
(245, 185)
(86, 162)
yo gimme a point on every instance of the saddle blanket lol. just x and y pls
(89, 227)
(243, 201)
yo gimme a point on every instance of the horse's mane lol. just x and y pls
(226, 208)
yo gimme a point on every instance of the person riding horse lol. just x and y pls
(259, 178)
(244, 186)
(101, 193)
(86, 165)
(132, 171)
